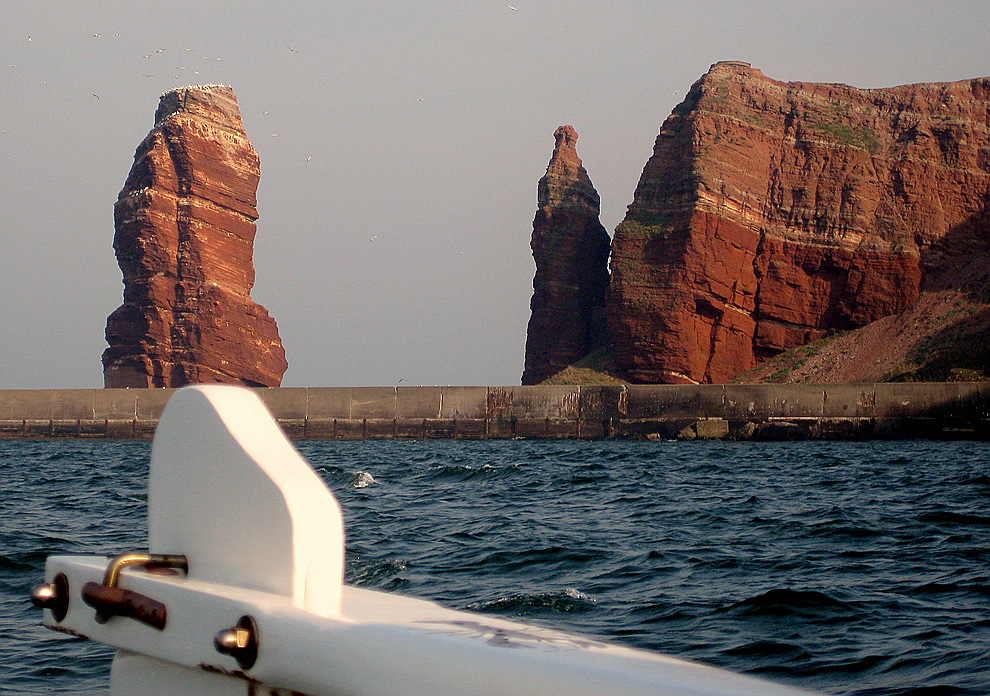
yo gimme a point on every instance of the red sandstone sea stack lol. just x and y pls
(774, 213)
(184, 236)
(571, 249)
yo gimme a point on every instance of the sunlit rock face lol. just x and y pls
(571, 250)
(772, 213)
(184, 237)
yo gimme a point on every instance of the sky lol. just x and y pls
(401, 144)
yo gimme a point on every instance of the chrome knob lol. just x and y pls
(53, 596)
(230, 641)
(240, 642)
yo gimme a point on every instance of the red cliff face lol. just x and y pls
(184, 240)
(571, 249)
(773, 213)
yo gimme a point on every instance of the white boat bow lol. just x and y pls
(241, 592)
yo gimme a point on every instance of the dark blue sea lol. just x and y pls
(852, 568)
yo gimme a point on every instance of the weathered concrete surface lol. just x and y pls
(30, 404)
(329, 403)
(771, 411)
(289, 402)
(416, 402)
(464, 402)
(373, 402)
(150, 403)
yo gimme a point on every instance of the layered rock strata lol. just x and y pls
(184, 236)
(773, 213)
(571, 249)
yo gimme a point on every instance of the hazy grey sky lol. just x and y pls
(428, 123)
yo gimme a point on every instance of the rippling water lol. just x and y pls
(853, 568)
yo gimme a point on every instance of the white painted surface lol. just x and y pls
(138, 674)
(231, 493)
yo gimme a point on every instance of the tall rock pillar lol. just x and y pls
(184, 239)
(571, 250)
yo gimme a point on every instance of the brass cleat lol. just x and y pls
(110, 600)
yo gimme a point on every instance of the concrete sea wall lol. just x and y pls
(766, 411)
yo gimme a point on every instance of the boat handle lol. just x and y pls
(110, 600)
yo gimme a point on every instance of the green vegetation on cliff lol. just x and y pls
(595, 368)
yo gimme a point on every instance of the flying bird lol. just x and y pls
(97, 96)
(514, 9)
